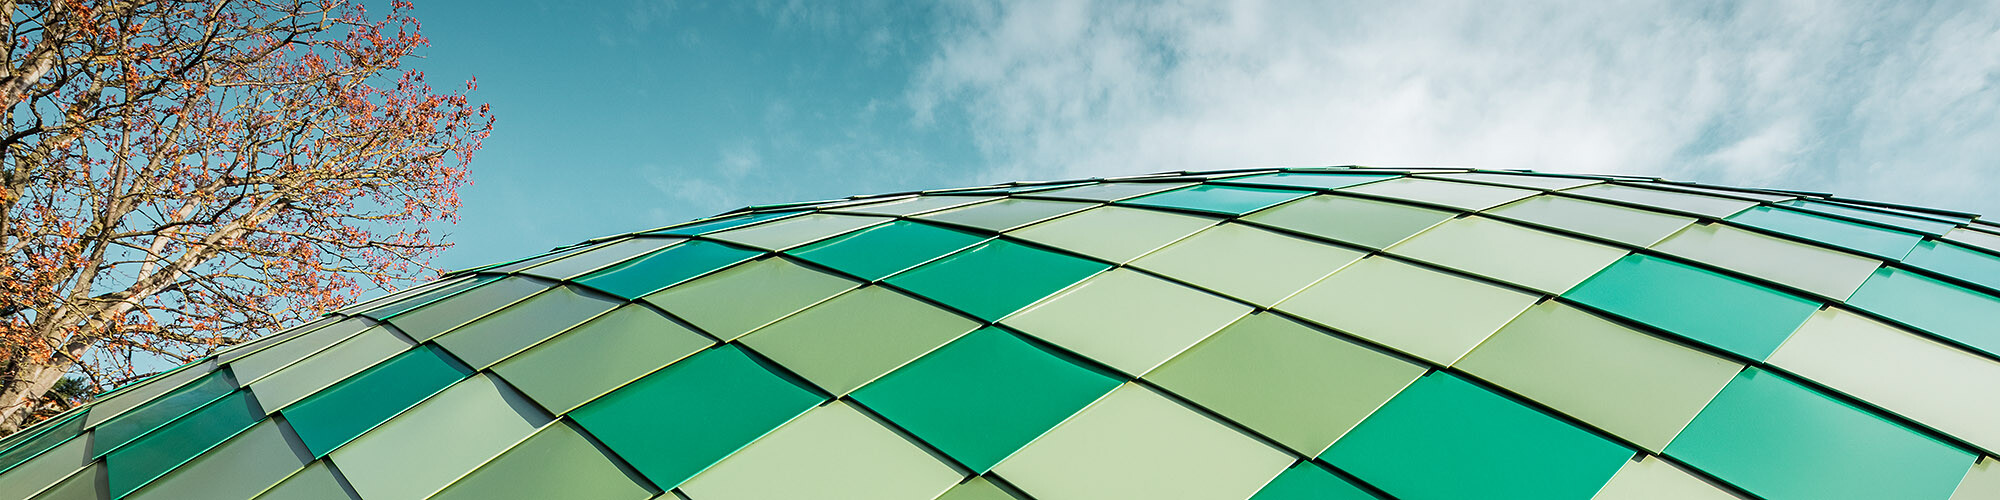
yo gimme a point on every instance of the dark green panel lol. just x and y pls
(556, 462)
(687, 416)
(1885, 243)
(996, 278)
(724, 223)
(1305, 180)
(118, 431)
(337, 414)
(167, 447)
(1950, 311)
(1978, 267)
(877, 252)
(507, 331)
(985, 395)
(1721, 311)
(1225, 200)
(638, 277)
(1309, 481)
(428, 322)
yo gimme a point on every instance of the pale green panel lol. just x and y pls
(833, 451)
(1431, 315)
(1706, 206)
(425, 448)
(1369, 223)
(912, 205)
(1631, 384)
(522, 325)
(1126, 319)
(1526, 181)
(1005, 214)
(46, 469)
(1258, 266)
(255, 366)
(1653, 479)
(315, 482)
(978, 488)
(1460, 195)
(240, 468)
(1612, 222)
(849, 341)
(1302, 387)
(796, 231)
(1980, 483)
(1934, 384)
(1988, 241)
(245, 349)
(1138, 231)
(88, 484)
(556, 462)
(1506, 252)
(1826, 272)
(127, 399)
(717, 303)
(323, 369)
(604, 354)
(1137, 444)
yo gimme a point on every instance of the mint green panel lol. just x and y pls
(724, 223)
(1980, 483)
(1309, 481)
(1224, 200)
(1886, 243)
(167, 447)
(1110, 191)
(1509, 253)
(796, 231)
(1138, 444)
(977, 488)
(880, 251)
(1728, 313)
(1397, 305)
(637, 277)
(850, 340)
(685, 417)
(557, 462)
(833, 451)
(599, 356)
(405, 305)
(1781, 440)
(1651, 478)
(1300, 386)
(1127, 320)
(1707, 206)
(509, 267)
(1005, 214)
(507, 331)
(985, 395)
(88, 484)
(310, 375)
(600, 256)
(41, 440)
(118, 431)
(247, 348)
(1964, 316)
(1980, 239)
(264, 362)
(315, 482)
(334, 416)
(1460, 195)
(46, 469)
(1447, 438)
(715, 303)
(913, 205)
(1519, 180)
(1305, 180)
(995, 278)
(1913, 224)
(428, 322)
(1253, 265)
(240, 468)
(432, 444)
(1612, 222)
(1978, 267)
(1369, 223)
(1139, 231)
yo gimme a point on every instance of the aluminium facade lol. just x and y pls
(1257, 334)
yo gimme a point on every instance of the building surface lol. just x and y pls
(1257, 334)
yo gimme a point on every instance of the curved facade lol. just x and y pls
(1255, 334)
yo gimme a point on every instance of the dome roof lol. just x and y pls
(1255, 334)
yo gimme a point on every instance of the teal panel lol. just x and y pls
(996, 278)
(507, 331)
(116, 432)
(1885, 243)
(1781, 440)
(1225, 200)
(1731, 314)
(687, 416)
(339, 413)
(1305, 180)
(1309, 481)
(167, 447)
(637, 277)
(1947, 310)
(724, 223)
(40, 439)
(877, 252)
(1446, 438)
(985, 395)
(1978, 267)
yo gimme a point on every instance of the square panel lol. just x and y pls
(131, 425)
(983, 396)
(426, 448)
(507, 331)
(1251, 264)
(556, 462)
(1310, 481)
(1368, 223)
(1612, 222)
(647, 274)
(1509, 253)
(977, 488)
(1822, 271)
(714, 303)
(795, 231)
(1460, 195)
(1728, 313)
(1956, 261)
(332, 417)
(261, 363)
(833, 451)
(156, 453)
(995, 278)
(912, 205)
(591, 360)
(1305, 180)
(877, 252)
(1780, 440)
(1431, 315)
(1953, 312)
(49, 464)
(326, 367)
(1523, 180)
(850, 340)
(133, 395)
(388, 310)
(315, 482)
(238, 468)
(1919, 378)
(1971, 238)
(1217, 199)
(1885, 243)
(1302, 387)
(1491, 446)
(1705, 206)
(1651, 478)
(1982, 481)
(1005, 214)
(1907, 223)
(1634, 385)
(599, 256)
(1135, 443)
(723, 223)
(431, 320)
(1139, 231)
(1109, 191)
(1128, 320)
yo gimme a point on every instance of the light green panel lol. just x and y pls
(1934, 384)
(1126, 319)
(716, 304)
(1706, 206)
(1302, 387)
(1310, 481)
(1826, 272)
(323, 369)
(1968, 237)
(245, 349)
(132, 396)
(1005, 214)
(977, 488)
(1460, 195)
(256, 366)
(1369, 223)
(913, 205)
(1957, 261)
(46, 469)
(1650, 478)
(240, 468)
(556, 462)
(1399, 305)
(1255, 265)
(88, 484)
(315, 482)
(1506, 252)
(1630, 226)
(1526, 181)
(425, 448)
(1111, 191)
(796, 231)
(1139, 231)
(428, 322)
(508, 331)
(592, 359)
(833, 451)
(1135, 443)
(604, 255)
(1636, 386)
(848, 341)
(1980, 483)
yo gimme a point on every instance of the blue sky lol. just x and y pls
(619, 115)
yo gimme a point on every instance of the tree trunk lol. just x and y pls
(22, 387)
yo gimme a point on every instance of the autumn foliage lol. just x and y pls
(179, 176)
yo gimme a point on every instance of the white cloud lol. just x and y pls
(1872, 99)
